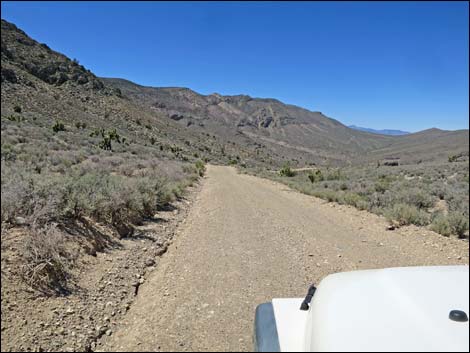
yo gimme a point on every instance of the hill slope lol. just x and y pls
(238, 129)
(289, 131)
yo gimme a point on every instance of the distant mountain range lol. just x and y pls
(381, 132)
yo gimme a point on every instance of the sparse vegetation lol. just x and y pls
(123, 158)
(406, 194)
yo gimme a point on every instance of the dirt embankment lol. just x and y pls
(104, 288)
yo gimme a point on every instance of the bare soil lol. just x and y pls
(247, 240)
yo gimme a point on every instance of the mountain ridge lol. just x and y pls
(390, 132)
(259, 130)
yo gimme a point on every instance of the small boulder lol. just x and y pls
(149, 262)
(20, 221)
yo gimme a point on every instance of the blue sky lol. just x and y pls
(398, 65)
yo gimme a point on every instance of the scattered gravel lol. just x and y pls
(105, 290)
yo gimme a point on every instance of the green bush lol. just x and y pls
(108, 137)
(458, 224)
(417, 197)
(58, 126)
(315, 176)
(200, 168)
(80, 125)
(286, 172)
(334, 174)
(406, 214)
(329, 195)
(16, 118)
(17, 109)
(382, 186)
(353, 199)
(455, 223)
(441, 225)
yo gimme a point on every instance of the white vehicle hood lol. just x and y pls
(397, 309)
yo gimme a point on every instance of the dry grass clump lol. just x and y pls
(46, 261)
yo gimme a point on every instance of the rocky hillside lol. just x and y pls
(226, 129)
(20, 53)
(291, 132)
(42, 87)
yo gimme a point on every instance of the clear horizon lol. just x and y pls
(401, 66)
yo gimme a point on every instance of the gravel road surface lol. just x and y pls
(247, 240)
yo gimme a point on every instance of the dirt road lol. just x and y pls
(247, 240)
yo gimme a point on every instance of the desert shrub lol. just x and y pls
(8, 152)
(80, 125)
(17, 109)
(200, 168)
(362, 204)
(334, 174)
(405, 193)
(454, 223)
(26, 194)
(353, 199)
(58, 126)
(406, 214)
(416, 197)
(329, 195)
(96, 132)
(107, 138)
(315, 176)
(382, 186)
(286, 171)
(441, 225)
(16, 118)
(111, 198)
(14, 192)
(380, 200)
(439, 191)
(46, 261)
(458, 224)
(117, 92)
